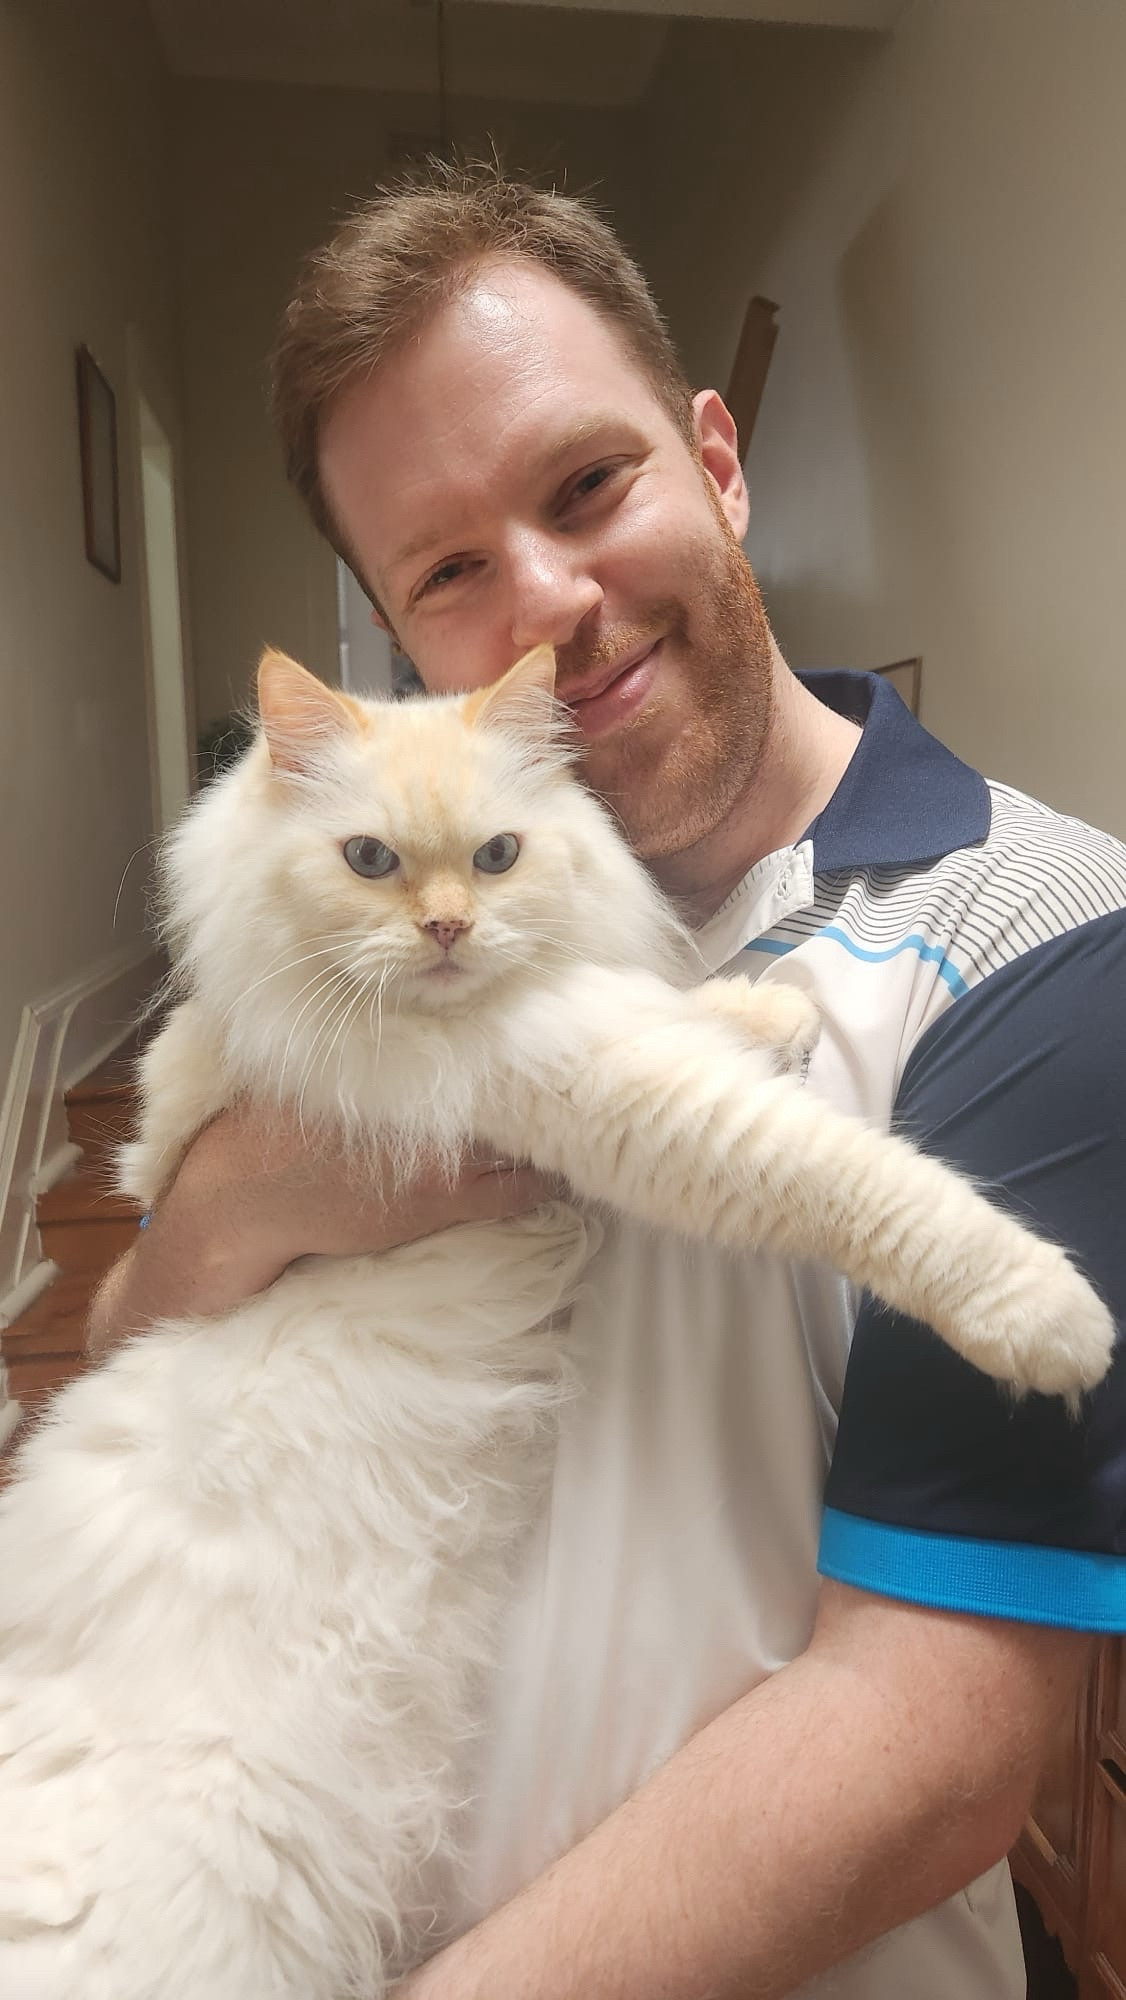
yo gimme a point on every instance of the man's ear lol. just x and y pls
(298, 713)
(718, 446)
(523, 698)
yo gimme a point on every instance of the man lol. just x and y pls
(703, 1773)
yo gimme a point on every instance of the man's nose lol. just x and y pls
(552, 592)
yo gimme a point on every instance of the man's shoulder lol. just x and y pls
(1040, 856)
(1037, 876)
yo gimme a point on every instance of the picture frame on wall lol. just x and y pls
(906, 677)
(97, 435)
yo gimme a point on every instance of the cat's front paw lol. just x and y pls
(1052, 1333)
(781, 1018)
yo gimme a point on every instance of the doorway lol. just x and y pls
(172, 776)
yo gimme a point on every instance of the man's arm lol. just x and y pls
(250, 1197)
(882, 1771)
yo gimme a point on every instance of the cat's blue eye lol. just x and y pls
(368, 856)
(497, 854)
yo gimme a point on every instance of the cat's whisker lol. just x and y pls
(347, 1013)
(335, 998)
(340, 1011)
(377, 1005)
(560, 945)
(374, 993)
(545, 934)
(292, 966)
(327, 981)
(144, 848)
(323, 984)
(320, 948)
(513, 955)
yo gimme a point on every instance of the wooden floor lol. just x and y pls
(83, 1227)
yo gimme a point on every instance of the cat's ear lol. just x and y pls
(298, 713)
(523, 698)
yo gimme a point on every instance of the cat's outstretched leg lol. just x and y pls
(653, 1101)
(782, 1018)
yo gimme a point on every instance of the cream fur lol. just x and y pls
(251, 1568)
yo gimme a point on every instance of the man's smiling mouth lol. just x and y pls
(611, 697)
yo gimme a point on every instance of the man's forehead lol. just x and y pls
(513, 300)
(514, 335)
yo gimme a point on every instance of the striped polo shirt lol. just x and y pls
(975, 943)
(745, 1422)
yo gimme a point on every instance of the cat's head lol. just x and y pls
(414, 856)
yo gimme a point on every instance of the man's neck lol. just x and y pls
(807, 750)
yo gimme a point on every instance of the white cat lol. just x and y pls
(251, 1568)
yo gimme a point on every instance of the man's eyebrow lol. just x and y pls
(417, 546)
(582, 434)
(555, 453)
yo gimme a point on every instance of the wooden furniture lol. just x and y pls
(906, 677)
(750, 366)
(1071, 1856)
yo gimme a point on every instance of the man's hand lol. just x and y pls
(250, 1197)
(884, 1770)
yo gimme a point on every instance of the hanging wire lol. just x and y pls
(440, 53)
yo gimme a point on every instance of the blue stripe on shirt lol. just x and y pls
(930, 953)
(1039, 1586)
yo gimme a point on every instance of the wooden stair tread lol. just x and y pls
(34, 1399)
(32, 1405)
(103, 1086)
(89, 1247)
(54, 1323)
(84, 1225)
(59, 1339)
(113, 1077)
(84, 1197)
(98, 1124)
(33, 1379)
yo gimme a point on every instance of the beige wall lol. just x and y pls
(263, 170)
(732, 124)
(83, 223)
(939, 465)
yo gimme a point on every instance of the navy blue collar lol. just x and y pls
(904, 799)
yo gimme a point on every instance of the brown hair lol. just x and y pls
(407, 252)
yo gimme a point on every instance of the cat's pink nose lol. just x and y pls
(446, 930)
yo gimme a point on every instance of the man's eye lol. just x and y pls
(447, 572)
(589, 482)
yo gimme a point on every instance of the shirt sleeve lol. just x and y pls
(944, 1488)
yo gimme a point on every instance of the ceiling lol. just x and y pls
(601, 53)
(788, 13)
(493, 49)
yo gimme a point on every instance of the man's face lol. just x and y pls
(509, 477)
